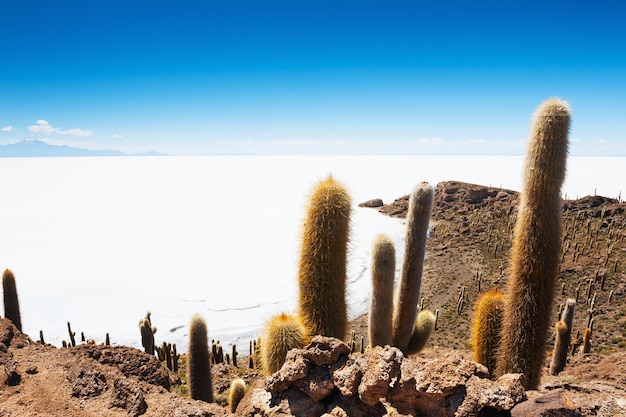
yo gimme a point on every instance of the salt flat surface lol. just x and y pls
(100, 241)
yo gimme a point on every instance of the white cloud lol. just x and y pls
(473, 142)
(436, 141)
(311, 143)
(76, 132)
(117, 136)
(8, 129)
(42, 126)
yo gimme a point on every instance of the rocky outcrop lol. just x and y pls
(86, 380)
(455, 197)
(326, 379)
(374, 202)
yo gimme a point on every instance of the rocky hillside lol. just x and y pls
(468, 251)
(323, 379)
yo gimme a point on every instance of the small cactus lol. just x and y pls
(72, 334)
(235, 355)
(200, 383)
(282, 333)
(486, 327)
(561, 346)
(175, 358)
(11, 302)
(236, 393)
(586, 348)
(381, 303)
(147, 335)
(423, 328)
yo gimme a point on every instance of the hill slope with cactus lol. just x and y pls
(468, 253)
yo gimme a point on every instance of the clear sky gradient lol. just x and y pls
(274, 77)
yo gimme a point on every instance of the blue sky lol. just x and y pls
(382, 77)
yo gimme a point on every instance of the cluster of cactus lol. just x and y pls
(354, 346)
(255, 352)
(217, 352)
(401, 326)
(167, 353)
(322, 308)
(322, 271)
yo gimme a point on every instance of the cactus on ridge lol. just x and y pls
(486, 327)
(536, 246)
(281, 334)
(235, 394)
(322, 269)
(423, 328)
(198, 361)
(381, 303)
(407, 297)
(11, 302)
(561, 348)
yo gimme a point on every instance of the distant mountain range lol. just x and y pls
(28, 148)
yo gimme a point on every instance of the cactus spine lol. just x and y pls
(199, 363)
(486, 327)
(282, 333)
(423, 328)
(322, 271)
(418, 216)
(11, 303)
(536, 246)
(381, 304)
(236, 393)
(561, 346)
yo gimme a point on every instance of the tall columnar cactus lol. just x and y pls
(236, 393)
(11, 303)
(561, 348)
(281, 334)
(418, 217)
(536, 246)
(381, 303)
(486, 327)
(199, 363)
(423, 328)
(322, 271)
